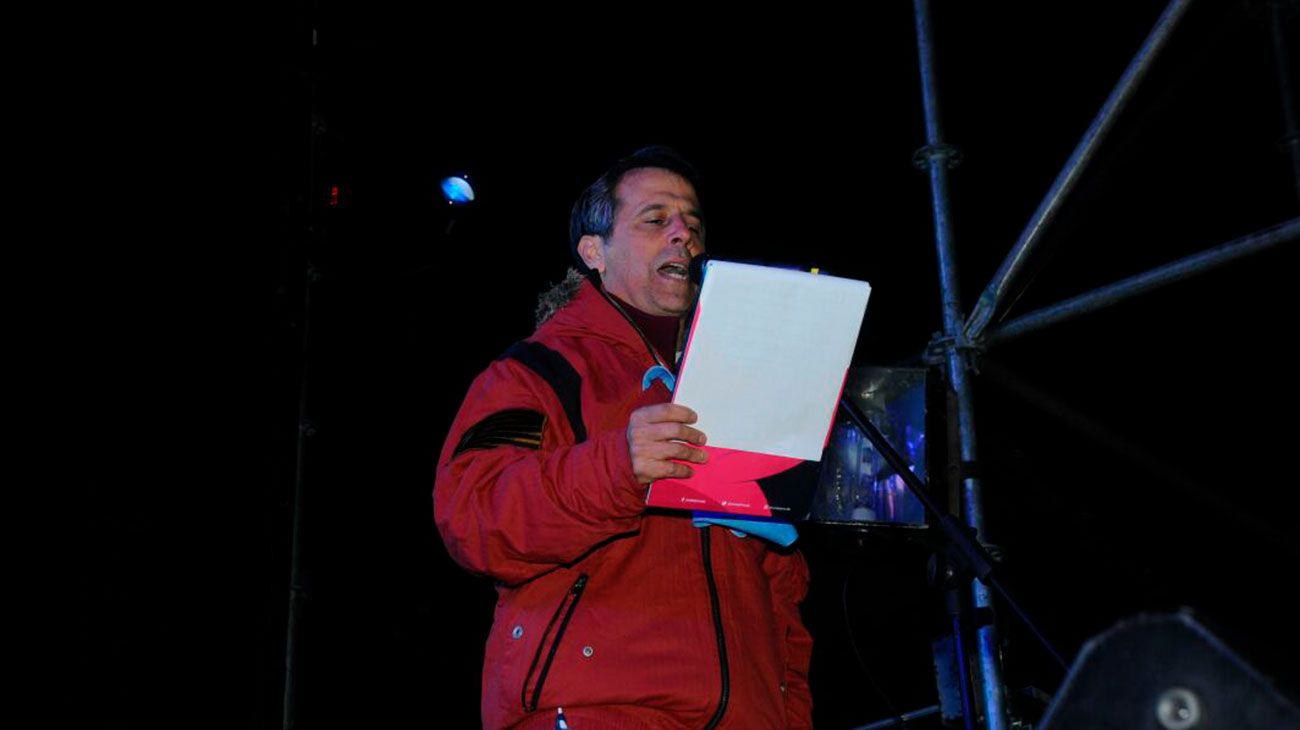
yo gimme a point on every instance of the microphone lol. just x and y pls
(696, 269)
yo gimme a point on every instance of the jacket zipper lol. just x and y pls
(725, 695)
(717, 627)
(567, 605)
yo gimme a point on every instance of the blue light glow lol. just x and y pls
(457, 190)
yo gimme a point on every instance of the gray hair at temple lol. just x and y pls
(593, 212)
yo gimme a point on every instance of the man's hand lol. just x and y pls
(655, 436)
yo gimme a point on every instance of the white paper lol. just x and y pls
(767, 357)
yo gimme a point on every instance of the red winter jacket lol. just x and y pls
(621, 616)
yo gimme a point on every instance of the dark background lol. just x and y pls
(177, 411)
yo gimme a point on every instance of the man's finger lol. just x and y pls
(669, 450)
(669, 432)
(662, 412)
(672, 470)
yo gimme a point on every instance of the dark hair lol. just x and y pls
(593, 211)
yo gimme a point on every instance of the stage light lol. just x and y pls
(457, 190)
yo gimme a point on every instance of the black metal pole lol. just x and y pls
(936, 157)
(993, 294)
(305, 428)
(1291, 137)
(1145, 282)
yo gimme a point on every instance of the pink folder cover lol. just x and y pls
(742, 482)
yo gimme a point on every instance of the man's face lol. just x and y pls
(658, 228)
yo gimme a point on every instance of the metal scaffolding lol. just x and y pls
(962, 338)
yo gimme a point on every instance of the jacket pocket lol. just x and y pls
(563, 613)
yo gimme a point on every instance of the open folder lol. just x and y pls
(764, 368)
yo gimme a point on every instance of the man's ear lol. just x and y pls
(591, 249)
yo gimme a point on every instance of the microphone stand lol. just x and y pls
(959, 556)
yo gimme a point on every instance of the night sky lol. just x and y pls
(173, 550)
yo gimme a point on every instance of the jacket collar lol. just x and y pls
(591, 313)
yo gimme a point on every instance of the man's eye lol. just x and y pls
(656, 221)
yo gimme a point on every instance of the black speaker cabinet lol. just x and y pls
(1165, 672)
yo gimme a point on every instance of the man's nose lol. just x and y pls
(680, 234)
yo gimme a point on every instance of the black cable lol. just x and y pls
(848, 625)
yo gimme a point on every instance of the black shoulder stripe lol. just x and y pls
(563, 379)
(515, 427)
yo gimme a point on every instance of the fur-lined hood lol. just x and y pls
(553, 300)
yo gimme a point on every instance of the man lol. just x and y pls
(623, 617)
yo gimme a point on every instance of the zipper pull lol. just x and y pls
(560, 722)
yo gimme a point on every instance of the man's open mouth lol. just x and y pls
(674, 271)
